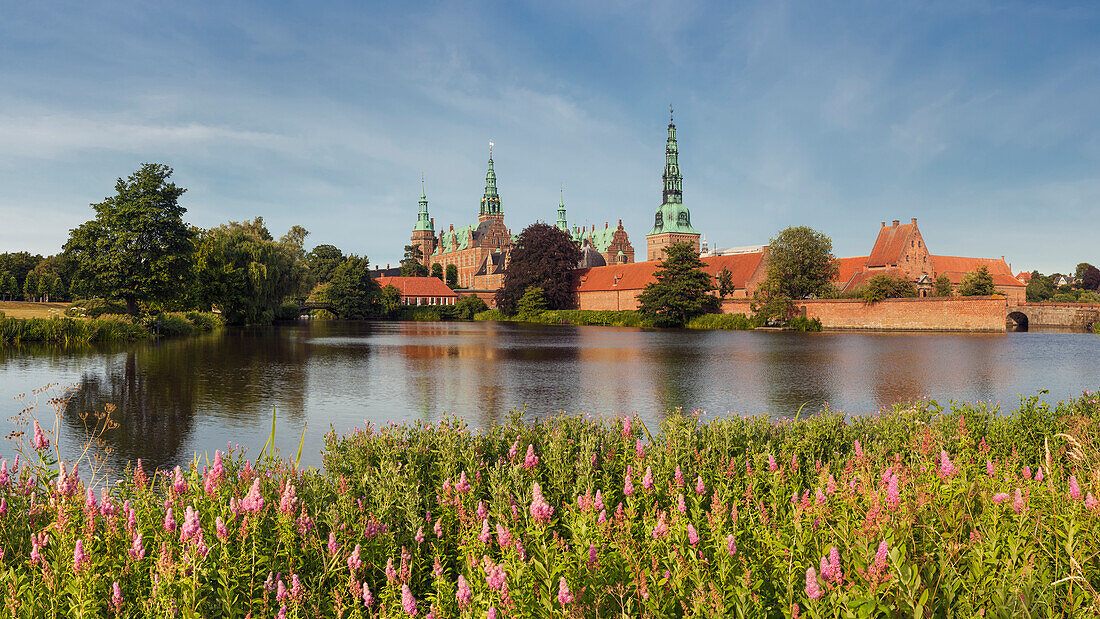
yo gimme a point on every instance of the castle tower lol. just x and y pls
(424, 230)
(672, 222)
(490, 200)
(562, 224)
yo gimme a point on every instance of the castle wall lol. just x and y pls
(916, 314)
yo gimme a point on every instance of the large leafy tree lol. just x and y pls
(976, 283)
(245, 273)
(323, 260)
(1090, 279)
(452, 276)
(137, 248)
(19, 264)
(801, 264)
(1039, 288)
(943, 286)
(682, 290)
(883, 286)
(543, 257)
(354, 294)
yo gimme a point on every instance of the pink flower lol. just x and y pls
(639, 448)
(1091, 503)
(354, 563)
(647, 479)
(564, 596)
(253, 502)
(859, 449)
(289, 500)
(368, 597)
(514, 450)
(947, 469)
(1074, 489)
(680, 505)
(485, 535)
(1027, 472)
(492, 614)
(408, 602)
(464, 595)
(1018, 502)
(179, 483)
(531, 461)
(660, 530)
(627, 430)
(482, 511)
(592, 559)
(597, 503)
(731, 544)
(834, 564)
(419, 535)
(540, 509)
(628, 482)
(40, 440)
(169, 521)
(693, 535)
(116, 596)
(830, 487)
(191, 526)
(893, 497)
(280, 591)
(391, 573)
(79, 558)
(880, 556)
(504, 538)
(332, 545)
(462, 486)
(1039, 474)
(438, 528)
(989, 469)
(496, 578)
(1000, 497)
(602, 517)
(813, 589)
(772, 465)
(679, 477)
(820, 497)
(137, 547)
(700, 487)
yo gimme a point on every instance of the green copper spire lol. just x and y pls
(423, 220)
(562, 224)
(490, 200)
(672, 215)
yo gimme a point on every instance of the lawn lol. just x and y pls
(25, 309)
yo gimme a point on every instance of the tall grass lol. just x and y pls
(106, 328)
(733, 322)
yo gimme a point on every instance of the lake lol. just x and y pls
(174, 398)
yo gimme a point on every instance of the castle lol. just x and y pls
(481, 252)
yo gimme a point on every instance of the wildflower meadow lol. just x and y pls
(918, 511)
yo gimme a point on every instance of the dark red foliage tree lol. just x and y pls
(543, 257)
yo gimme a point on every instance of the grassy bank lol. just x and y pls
(631, 318)
(108, 328)
(916, 511)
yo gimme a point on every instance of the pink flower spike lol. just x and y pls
(169, 521)
(772, 465)
(368, 597)
(628, 482)
(680, 505)
(834, 564)
(564, 595)
(1091, 503)
(700, 487)
(40, 440)
(679, 477)
(79, 558)
(893, 496)
(693, 535)
(540, 509)
(463, 486)
(116, 596)
(660, 530)
(1018, 502)
(514, 451)
(731, 544)
(332, 545)
(1000, 497)
(639, 448)
(354, 563)
(531, 461)
(813, 589)
(464, 595)
(1039, 474)
(408, 602)
(179, 484)
(647, 479)
(947, 469)
(989, 469)
(859, 449)
(1074, 489)
(880, 556)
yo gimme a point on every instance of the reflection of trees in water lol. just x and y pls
(799, 368)
(160, 387)
(678, 364)
(899, 367)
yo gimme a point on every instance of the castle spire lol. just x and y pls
(672, 180)
(562, 224)
(490, 200)
(423, 220)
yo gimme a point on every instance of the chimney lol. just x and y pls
(387, 266)
(452, 227)
(896, 223)
(884, 224)
(433, 222)
(914, 220)
(605, 225)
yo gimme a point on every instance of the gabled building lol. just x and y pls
(479, 251)
(612, 244)
(420, 290)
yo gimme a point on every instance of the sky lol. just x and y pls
(978, 118)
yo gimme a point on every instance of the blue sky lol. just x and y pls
(978, 118)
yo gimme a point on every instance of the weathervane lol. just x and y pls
(490, 149)
(669, 112)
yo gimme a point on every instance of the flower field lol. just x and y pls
(915, 511)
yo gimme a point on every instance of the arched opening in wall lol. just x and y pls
(1016, 321)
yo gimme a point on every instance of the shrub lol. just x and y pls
(493, 314)
(93, 308)
(885, 286)
(733, 322)
(288, 311)
(172, 325)
(800, 323)
(469, 306)
(205, 321)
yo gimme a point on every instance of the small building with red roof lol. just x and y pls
(420, 290)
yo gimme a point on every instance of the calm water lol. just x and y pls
(175, 398)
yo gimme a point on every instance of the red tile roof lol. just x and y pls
(955, 267)
(1024, 277)
(848, 268)
(860, 278)
(417, 286)
(889, 245)
(635, 276)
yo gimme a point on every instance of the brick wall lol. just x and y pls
(920, 314)
(608, 300)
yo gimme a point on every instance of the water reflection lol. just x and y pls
(175, 398)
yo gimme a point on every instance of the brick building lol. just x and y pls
(479, 251)
(420, 290)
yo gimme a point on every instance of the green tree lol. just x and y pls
(437, 271)
(5, 287)
(543, 257)
(137, 248)
(389, 302)
(245, 273)
(1082, 268)
(801, 264)
(883, 286)
(725, 283)
(977, 283)
(1090, 279)
(57, 291)
(323, 260)
(681, 290)
(353, 292)
(412, 265)
(468, 307)
(30, 286)
(943, 286)
(1039, 288)
(19, 264)
(532, 303)
(452, 276)
(45, 285)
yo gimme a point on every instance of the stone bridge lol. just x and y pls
(1060, 316)
(319, 306)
